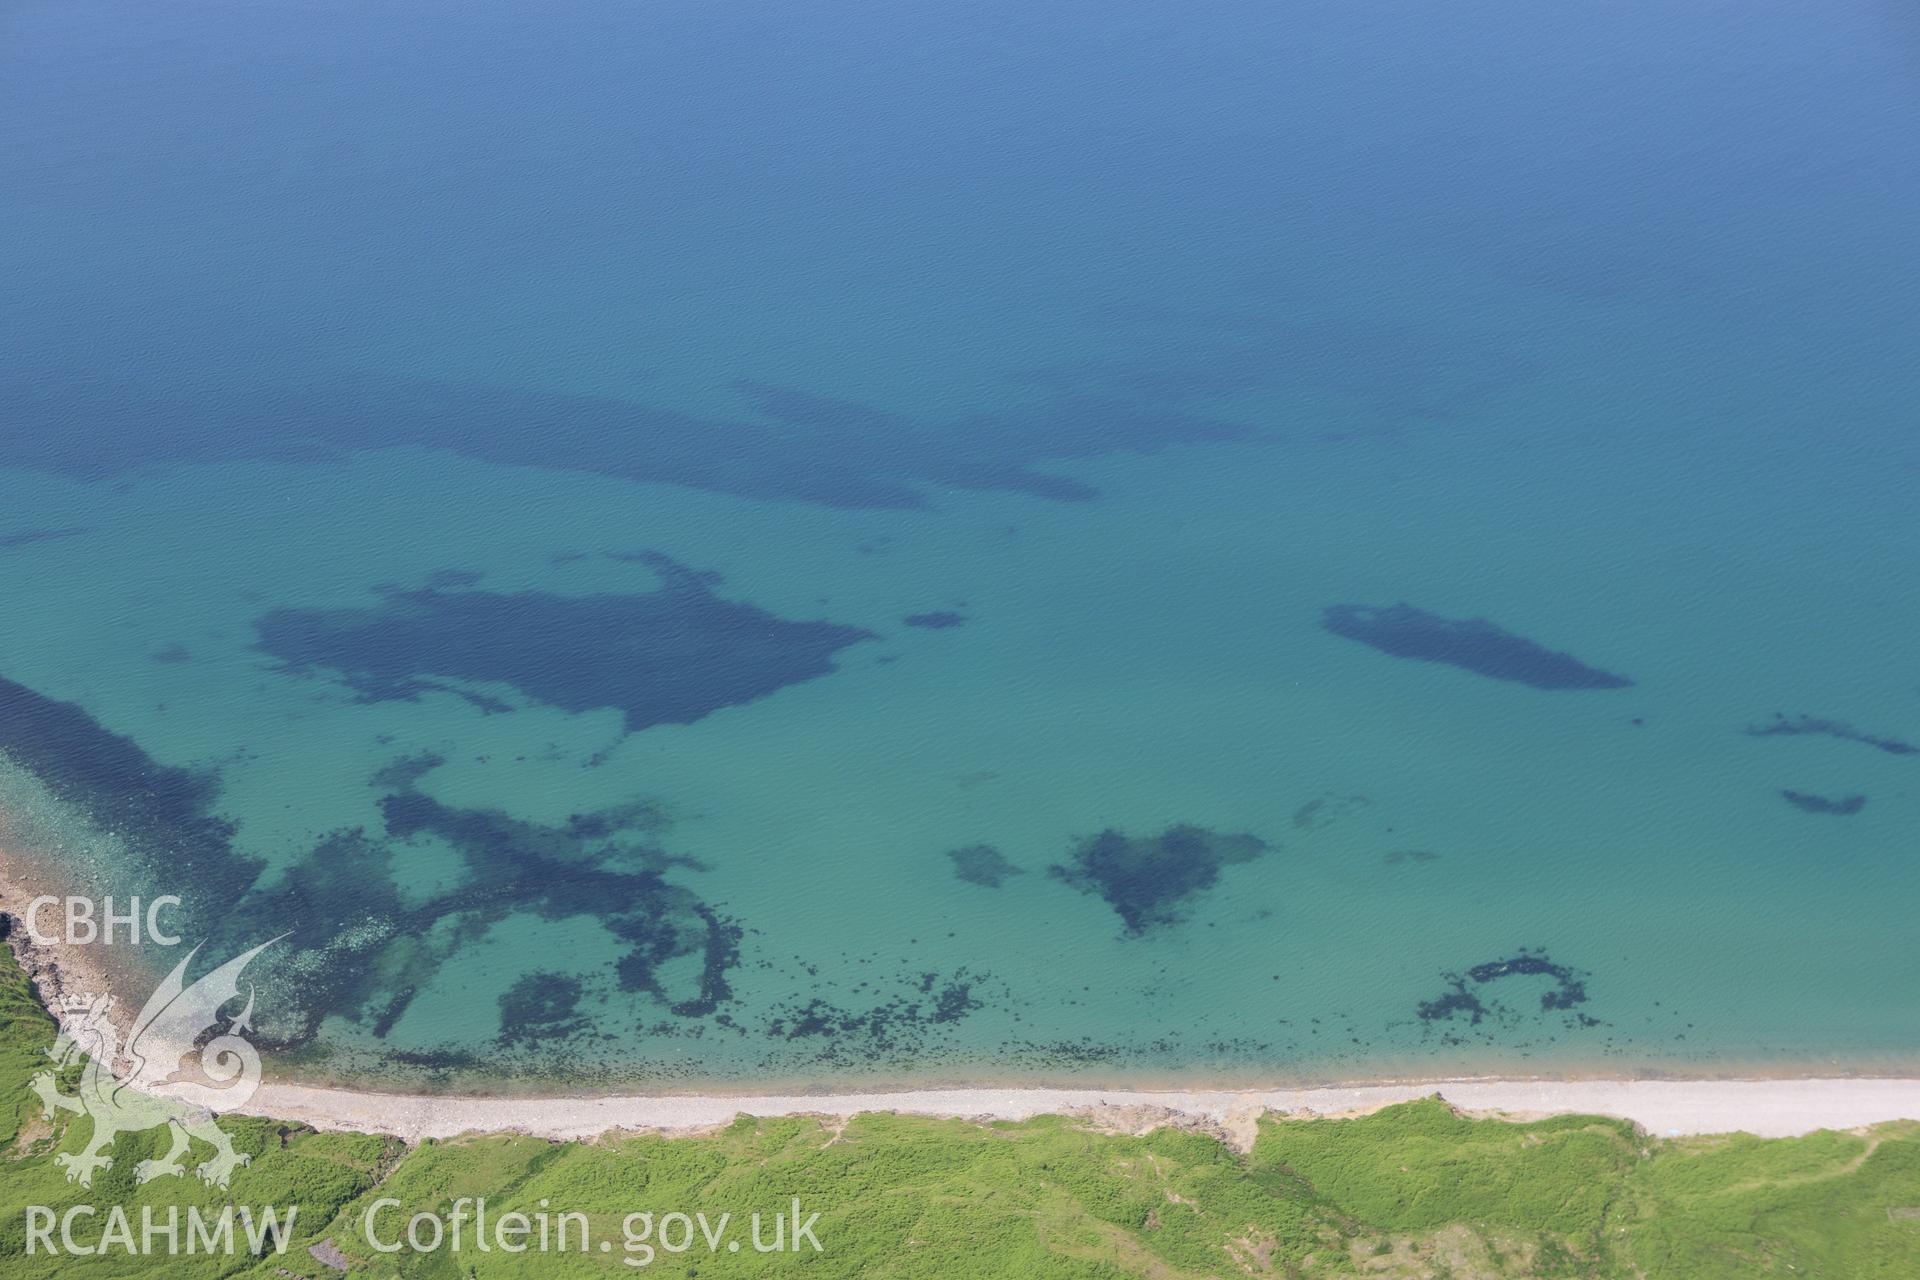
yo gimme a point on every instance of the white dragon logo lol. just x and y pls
(172, 1020)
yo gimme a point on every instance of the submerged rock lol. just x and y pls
(1148, 879)
(1817, 726)
(1570, 989)
(540, 1007)
(27, 537)
(937, 621)
(982, 864)
(1809, 803)
(1472, 644)
(667, 656)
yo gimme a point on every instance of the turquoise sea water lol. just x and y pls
(580, 515)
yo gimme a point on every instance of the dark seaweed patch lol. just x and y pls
(1458, 1000)
(1570, 989)
(785, 443)
(939, 621)
(359, 947)
(365, 947)
(1397, 373)
(1148, 880)
(364, 950)
(540, 1007)
(901, 1025)
(668, 656)
(409, 690)
(1781, 726)
(1809, 803)
(27, 537)
(601, 865)
(119, 788)
(436, 1062)
(1473, 644)
(1321, 810)
(401, 774)
(982, 864)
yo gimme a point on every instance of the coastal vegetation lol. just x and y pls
(1411, 1191)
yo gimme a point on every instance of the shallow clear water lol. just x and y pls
(465, 479)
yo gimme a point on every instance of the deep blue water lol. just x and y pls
(688, 541)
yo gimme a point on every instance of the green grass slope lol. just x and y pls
(1412, 1191)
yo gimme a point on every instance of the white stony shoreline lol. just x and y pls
(1766, 1108)
(1772, 1107)
(1769, 1107)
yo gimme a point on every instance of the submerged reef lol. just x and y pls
(602, 864)
(367, 938)
(1472, 644)
(667, 656)
(1806, 802)
(114, 786)
(781, 442)
(540, 1008)
(1781, 726)
(982, 864)
(1148, 880)
(361, 945)
(1570, 989)
(27, 537)
(903, 1024)
(939, 621)
(365, 946)
(1324, 810)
